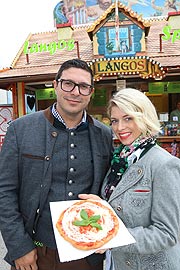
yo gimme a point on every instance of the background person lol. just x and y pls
(143, 186)
(175, 114)
(51, 155)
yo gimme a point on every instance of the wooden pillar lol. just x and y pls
(15, 101)
(21, 98)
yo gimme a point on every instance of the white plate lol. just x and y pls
(67, 252)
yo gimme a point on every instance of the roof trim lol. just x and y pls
(20, 52)
(136, 18)
(174, 13)
(62, 25)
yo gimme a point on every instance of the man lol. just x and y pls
(175, 115)
(51, 155)
(94, 11)
(104, 4)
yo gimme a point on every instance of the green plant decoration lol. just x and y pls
(110, 46)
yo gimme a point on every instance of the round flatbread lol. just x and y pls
(88, 224)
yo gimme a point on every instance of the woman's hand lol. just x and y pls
(101, 251)
(89, 197)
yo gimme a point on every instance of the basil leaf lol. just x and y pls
(96, 225)
(81, 222)
(84, 214)
(94, 218)
(88, 220)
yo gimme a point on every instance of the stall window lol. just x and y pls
(124, 40)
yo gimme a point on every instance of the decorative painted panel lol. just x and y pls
(129, 41)
(6, 116)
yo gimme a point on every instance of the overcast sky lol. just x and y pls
(19, 18)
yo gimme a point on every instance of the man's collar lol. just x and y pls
(60, 119)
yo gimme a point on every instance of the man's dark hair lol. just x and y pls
(74, 63)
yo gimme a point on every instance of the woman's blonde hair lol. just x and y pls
(137, 105)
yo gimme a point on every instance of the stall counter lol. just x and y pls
(171, 144)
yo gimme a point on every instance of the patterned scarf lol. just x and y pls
(119, 162)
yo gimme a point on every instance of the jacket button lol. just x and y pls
(72, 170)
(119, 208)
(139, 171)
(72, 145)
(128, 263)
(72, 157)
(70, 182)
(70, 194)
(54, 134)
(47, 158)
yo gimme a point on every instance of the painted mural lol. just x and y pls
(152, 8)
(87, 11)
(130, 38)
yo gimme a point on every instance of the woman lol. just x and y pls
(143, 186)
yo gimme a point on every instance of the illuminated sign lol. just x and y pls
(168, 34)
(127, 65)
(51, 47)
(142, 66)
(47, 93)
(164, 87)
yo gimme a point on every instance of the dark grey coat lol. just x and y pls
(25, 174)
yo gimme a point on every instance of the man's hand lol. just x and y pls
(28, 261)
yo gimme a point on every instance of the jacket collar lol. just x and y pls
(50, 117)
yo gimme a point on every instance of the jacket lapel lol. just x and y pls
(130, 178)
(96, 146)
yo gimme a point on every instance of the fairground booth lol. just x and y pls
(125, 44)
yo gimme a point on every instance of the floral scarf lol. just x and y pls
(119, 162)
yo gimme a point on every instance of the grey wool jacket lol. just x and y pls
(147, 199)
(26, 174)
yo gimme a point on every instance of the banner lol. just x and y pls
(164, 87)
